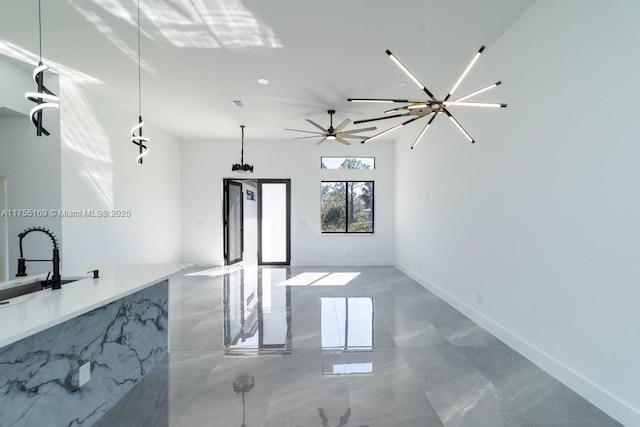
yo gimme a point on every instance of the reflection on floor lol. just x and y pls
(336, 347)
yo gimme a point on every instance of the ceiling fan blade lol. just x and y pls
(355, 136)
(409, 73)
(306, 131)
(424, 130)
(342, 125)
(342, 140)
(322, 140)
(465, 72)
(316, 125)
(350, 131)
(306, 137)
(379, 118)
(459, 126)
(385, 100)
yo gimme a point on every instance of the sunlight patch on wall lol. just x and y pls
(185, 23)
(84, 138)
(16, 52)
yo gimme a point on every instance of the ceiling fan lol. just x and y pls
(338, 133)
(418, 108)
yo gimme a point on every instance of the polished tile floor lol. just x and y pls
(336, 347)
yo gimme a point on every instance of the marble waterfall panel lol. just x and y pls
(39, 375)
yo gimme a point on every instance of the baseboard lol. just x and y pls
(340, 262)
(607, 402)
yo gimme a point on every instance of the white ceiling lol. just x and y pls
(199, 55)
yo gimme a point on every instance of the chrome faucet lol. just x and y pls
(22, 266)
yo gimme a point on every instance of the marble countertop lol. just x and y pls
(35, 312)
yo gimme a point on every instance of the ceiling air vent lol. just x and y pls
(237, 103)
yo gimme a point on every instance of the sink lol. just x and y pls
(30, 287)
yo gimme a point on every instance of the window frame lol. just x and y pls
(346, 206)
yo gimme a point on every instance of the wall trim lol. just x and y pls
(601, 398)
(342, 263)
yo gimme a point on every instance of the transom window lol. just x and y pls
(347, 163)
(347, 207)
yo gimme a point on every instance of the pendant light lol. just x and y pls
(44, 98)
(242, 168)
(138, 139)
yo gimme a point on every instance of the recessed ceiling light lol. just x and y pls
(402, 84)
(263, 81)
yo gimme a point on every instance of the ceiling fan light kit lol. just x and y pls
(415, 109)
(334, 134)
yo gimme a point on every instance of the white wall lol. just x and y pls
(533, 231)
(99, 172)
(31, 165)
(206, 163)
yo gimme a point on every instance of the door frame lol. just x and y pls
(287, 183)
(225, 221)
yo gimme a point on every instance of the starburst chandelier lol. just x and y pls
(416, 109)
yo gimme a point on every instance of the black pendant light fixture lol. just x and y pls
(419, 108)
(43, 98)
(242, 167)
(138, 139)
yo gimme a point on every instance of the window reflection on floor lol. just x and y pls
(257, 313)
(347, 323)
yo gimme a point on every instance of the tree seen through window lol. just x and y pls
(347, 207)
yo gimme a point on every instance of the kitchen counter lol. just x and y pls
(67, 356)
(35, 312)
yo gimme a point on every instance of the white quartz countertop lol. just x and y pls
(26, 315)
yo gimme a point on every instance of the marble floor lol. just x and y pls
(336, 347)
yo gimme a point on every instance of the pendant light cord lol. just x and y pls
(40, 27)
(242, 147)
(139, 72)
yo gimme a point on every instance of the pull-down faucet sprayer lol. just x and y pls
(22, 266)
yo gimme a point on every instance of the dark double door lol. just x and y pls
(273, 200)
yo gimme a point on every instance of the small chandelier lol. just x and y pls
(242, 167)
(138, 139)
(43, 98)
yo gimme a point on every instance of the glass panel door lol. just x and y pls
(233, 222)
(274, 242)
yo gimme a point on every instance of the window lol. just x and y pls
(347, 163)
(347, 207)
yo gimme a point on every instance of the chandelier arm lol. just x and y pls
(391, 129)
(424, 130)
(476, 92)
(386, 100)
(465, 72)
(477, 104)
(410, 74)
(459, 126)
(380, 118)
